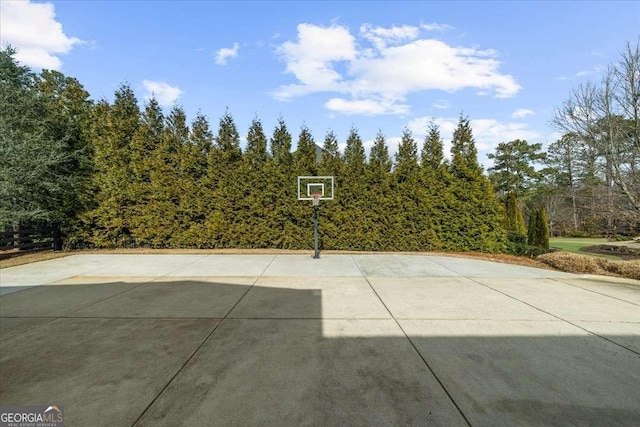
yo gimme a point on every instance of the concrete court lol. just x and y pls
(344, 340)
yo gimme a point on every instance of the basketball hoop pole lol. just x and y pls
(316, 203)
(315, 188)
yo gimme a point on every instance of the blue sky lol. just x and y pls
(333, 65)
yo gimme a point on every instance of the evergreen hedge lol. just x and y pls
(161, 183)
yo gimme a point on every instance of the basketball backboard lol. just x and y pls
(308, 186)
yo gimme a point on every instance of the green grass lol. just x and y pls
(573, 244)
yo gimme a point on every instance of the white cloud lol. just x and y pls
(369, 107)
(381, 37)
(311, 59)
(163, 92)
(32, 29)
(224, 54)
(397, 63)
(521, 113)
(434, 26)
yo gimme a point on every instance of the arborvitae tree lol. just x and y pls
(541, 238)
(111, 130)
(477, 218)
(514, 222)
(305, 155)
(332, 164)
(257, 203)
(434, 185)
(228, 140)
(356, 224)
(281, 145)
(227, 189)
(256, 153)
(406, 197)
(407, 157)
(354, 155)
(280, 228)
(379, 159)
(377, 203)
(432, 154)
(193, 184)
(464, 162)
(531, 230)
(158, 216)
(146, 140)
(200, 142)
(304, 165)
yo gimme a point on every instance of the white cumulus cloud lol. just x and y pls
(224, 54)
(369, 107)
(33, 30)
(384, 64)
(163, 92)
(521, 113)
(434, 26)
(310, 59)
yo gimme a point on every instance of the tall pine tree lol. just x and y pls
(225, 160)
(477, 216)
(111, 132)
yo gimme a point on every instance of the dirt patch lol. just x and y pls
(624, 252)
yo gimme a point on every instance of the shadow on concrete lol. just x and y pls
(125, 353)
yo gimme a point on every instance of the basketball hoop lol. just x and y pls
(315, 188)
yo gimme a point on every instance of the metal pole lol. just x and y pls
(316, 255)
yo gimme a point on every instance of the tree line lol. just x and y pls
(111, 174)
(115, 174)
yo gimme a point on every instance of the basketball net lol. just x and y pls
(316, 199)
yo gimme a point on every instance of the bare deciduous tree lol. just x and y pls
(606, 118)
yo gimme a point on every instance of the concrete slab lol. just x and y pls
(448, 298)
(567, 302)
(625, 334)
(305, 265)
(480, 268)
(144, 265)
(103, 371)
(284, 372)
(300, 367)
(174, 297)
(60, 299)
(627, 290)
(11, 326)
(44, 272)
(401, 266)
(530, 373)
(226, 265)
(339, 297)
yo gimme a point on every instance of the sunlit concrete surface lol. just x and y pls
(344, 340)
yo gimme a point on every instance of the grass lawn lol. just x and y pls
(573, 244)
